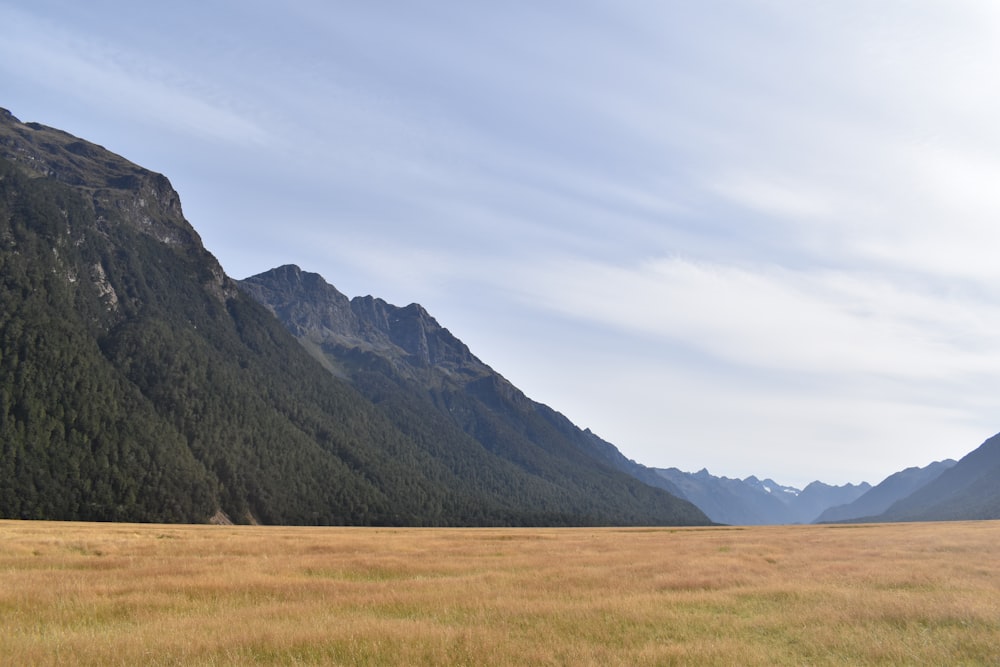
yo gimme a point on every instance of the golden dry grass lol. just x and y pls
(104, 594)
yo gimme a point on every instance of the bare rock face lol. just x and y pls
(315, 311)
(121, 191)
(284, 289)
(104, 288)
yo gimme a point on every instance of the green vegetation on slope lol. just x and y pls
(137, 382)
(499, 444)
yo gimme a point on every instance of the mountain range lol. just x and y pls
(752, 501)
(139, 382)
(889, 491)
(969, 489)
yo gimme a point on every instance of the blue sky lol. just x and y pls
(758, 236)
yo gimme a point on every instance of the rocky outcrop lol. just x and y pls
(120, 191)
(316, 312)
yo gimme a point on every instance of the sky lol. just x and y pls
(754, 236)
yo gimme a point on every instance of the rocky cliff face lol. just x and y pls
(118, 189)
(118, 192)
(317, 313)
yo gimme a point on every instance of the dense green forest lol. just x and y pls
(139, 383)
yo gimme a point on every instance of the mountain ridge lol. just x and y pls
(883, 495)
(409, 345)
(138, 382)
(752, 501)
(967, 490)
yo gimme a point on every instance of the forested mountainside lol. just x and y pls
(432, 387)
(139, 383)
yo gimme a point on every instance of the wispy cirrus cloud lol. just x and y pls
(128, 83)
(767, 317)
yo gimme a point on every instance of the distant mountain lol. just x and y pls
(893, 488)
(728, 501)
(772, 488)
(818, 497)
(138, 382)
(428, 383)
(752, 501)
(965, 491)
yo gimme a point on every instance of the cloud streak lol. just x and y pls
(847, 324)
(752, 236)
(126, 82)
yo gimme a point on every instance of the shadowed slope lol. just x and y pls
(137, 382)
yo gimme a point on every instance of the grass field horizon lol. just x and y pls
(85, 593)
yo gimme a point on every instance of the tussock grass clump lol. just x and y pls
(121, 594)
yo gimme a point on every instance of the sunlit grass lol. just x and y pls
(105, 594)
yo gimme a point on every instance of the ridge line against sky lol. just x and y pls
(751, 236)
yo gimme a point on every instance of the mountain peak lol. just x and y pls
(316, 312)
(751, 500)
(119, 190)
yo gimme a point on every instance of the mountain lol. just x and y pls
(880, 497)
(818, 497)
(726, 500)
(138, 382)
(752, 501)
(965, 491)
(428, 383)
(772, 488)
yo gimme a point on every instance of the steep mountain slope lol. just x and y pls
(137, 382)
(967, 490)
(881, 496)
(429, 383)
(752, 501)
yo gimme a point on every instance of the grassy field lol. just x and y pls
(128, 594)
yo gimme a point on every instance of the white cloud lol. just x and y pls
(787, 200)
(774, 318)
(666, 404)
(125, 83)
